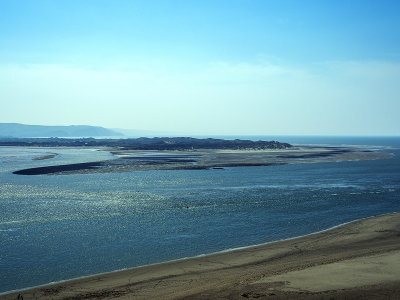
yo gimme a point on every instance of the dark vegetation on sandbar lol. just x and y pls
(320, 154)
(59, 168)
(157, 143)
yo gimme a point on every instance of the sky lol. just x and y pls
(235, 67)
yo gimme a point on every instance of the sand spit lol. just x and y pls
(142, 160)
(359, 260)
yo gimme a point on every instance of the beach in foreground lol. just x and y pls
(359, 260)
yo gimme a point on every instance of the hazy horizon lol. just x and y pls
(129, 133)
(203, 67)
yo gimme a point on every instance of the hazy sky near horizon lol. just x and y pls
(203, 67)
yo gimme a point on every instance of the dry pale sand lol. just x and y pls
(360, 260)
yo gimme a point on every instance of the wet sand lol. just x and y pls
(142, 160)
(359, 260)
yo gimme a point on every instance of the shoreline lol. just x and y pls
(188, 258)
(119, 284)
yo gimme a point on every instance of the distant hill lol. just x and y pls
(157, 143)
(27, 131)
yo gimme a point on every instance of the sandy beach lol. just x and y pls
(359, 260)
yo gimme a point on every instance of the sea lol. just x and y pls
(59, 227)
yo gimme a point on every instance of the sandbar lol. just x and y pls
(206, 159)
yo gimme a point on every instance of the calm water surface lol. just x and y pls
(60, 227)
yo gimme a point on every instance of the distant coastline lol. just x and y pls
(157, 143)
(17, 130)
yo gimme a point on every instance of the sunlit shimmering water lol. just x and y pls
(60, 227)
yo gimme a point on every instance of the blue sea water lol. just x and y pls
(54, 228)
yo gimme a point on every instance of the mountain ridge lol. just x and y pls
(18, 130)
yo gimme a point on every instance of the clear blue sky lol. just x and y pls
(203, 67)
